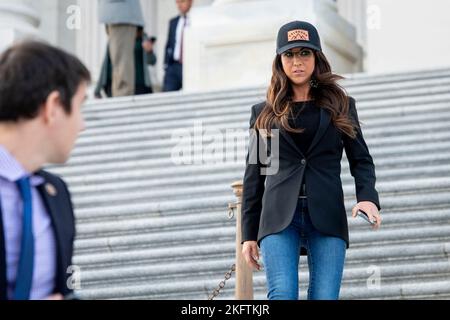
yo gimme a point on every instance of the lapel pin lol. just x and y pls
(51, 190)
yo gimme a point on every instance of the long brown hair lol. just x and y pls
(328, 95)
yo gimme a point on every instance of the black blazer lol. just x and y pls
(269, 202)
(60, 209)
(170, 45)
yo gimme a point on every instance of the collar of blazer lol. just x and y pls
(325, 120)
(49, 193)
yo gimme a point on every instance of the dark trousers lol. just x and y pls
(173, 79)
(140, 89)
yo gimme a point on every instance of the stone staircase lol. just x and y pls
(151, 229)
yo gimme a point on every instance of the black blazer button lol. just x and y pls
(303, 162)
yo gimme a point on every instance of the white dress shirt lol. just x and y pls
(183, 22)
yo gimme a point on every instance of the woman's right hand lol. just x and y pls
(147, 45)
(251, 254)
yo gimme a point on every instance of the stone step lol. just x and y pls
(239, 113)
(91, 153)
(227, 233)
(199, 290)
(353, 82)
(217, 219)
(176, 206)
(389, 89)
(394, 99)
(208, 158)
(106, 182)
(241, 129)
(170, 111)
(408, 289)
(410, 186)
(353, 274)
(205, 107)
(356, 254)
(208, 220)
(383, 174)
(171, 99)
(146, 149)
(361, 78)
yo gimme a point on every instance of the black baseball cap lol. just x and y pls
(298, 34)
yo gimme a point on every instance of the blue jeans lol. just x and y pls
(281, 254)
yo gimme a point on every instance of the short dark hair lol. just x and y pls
(30, 71)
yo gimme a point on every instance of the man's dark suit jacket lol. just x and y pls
(269, 202)
(59, 206)
(171, 41)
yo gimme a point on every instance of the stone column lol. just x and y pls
(91, 39)
(18, 19)
(231, 44)
(355, 12)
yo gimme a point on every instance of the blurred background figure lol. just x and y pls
(173, 63)
(122, 19)
(144, 56)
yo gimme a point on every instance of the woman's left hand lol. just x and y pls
(372, 212)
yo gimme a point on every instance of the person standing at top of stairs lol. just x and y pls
(173, 61)
(122, 19)
(144, 56)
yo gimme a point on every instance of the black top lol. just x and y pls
(304, 115)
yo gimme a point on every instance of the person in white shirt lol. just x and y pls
(173, 62)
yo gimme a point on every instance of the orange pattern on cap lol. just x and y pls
(298, 34)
